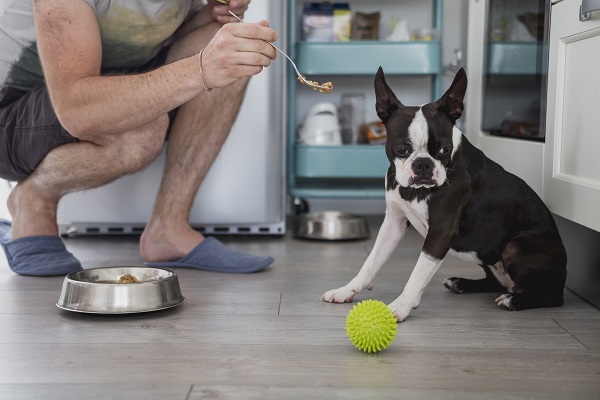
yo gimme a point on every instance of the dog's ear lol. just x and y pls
(386, 101)
(451, 103)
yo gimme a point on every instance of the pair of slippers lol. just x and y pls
(48, 256)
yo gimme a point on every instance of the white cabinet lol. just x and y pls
(571, 186)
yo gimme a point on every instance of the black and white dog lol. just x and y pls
(464, 205)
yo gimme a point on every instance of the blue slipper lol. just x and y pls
(212, 255)
(37, 255)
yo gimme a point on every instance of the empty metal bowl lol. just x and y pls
(331, 225)
(98, 291)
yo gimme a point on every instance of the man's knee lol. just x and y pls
(141, 146)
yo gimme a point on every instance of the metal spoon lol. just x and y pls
(325, 88)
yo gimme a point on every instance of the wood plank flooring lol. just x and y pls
(267, 335)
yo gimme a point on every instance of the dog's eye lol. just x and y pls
(444, 150)
(401, 151)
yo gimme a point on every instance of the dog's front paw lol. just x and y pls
(506, 301)
(400, 309)
(340, 295)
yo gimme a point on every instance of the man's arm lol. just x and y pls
(88, 104)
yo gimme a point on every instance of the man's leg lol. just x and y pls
(31, 243)
(196, 137)
(79, 166)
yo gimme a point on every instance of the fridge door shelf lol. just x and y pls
(364, 57)
(347, 161)
(514, 58)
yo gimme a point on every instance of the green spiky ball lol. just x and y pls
(371, 326)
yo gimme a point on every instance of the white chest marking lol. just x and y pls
(417, 212)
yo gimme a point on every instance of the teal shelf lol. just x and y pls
(514, 58)
(338, 193)
(358, 58)
(347, 161)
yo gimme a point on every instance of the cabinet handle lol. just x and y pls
(586, 8)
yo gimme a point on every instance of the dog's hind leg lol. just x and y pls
(524, 301)
(536, 263)
(489, 284)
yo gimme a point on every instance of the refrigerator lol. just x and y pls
(244, 192)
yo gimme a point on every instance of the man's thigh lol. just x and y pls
(29, 130)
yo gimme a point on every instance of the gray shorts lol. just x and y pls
(29, 128)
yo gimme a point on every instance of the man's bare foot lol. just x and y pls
(33, 212)
(167, 243)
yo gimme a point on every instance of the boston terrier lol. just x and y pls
(464, 205)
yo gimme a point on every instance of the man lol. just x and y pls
(88, 92)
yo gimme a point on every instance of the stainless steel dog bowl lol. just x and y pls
(331, 225)
(97, 291)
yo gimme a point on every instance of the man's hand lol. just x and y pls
(220, 11)
(237, 50)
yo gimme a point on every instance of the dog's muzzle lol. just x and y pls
(422, 169)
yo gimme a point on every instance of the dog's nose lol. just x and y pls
(423, 168)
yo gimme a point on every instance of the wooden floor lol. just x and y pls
(267, 335)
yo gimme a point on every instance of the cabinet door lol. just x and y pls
(572, 154)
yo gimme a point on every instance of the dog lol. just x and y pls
(464, 205)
